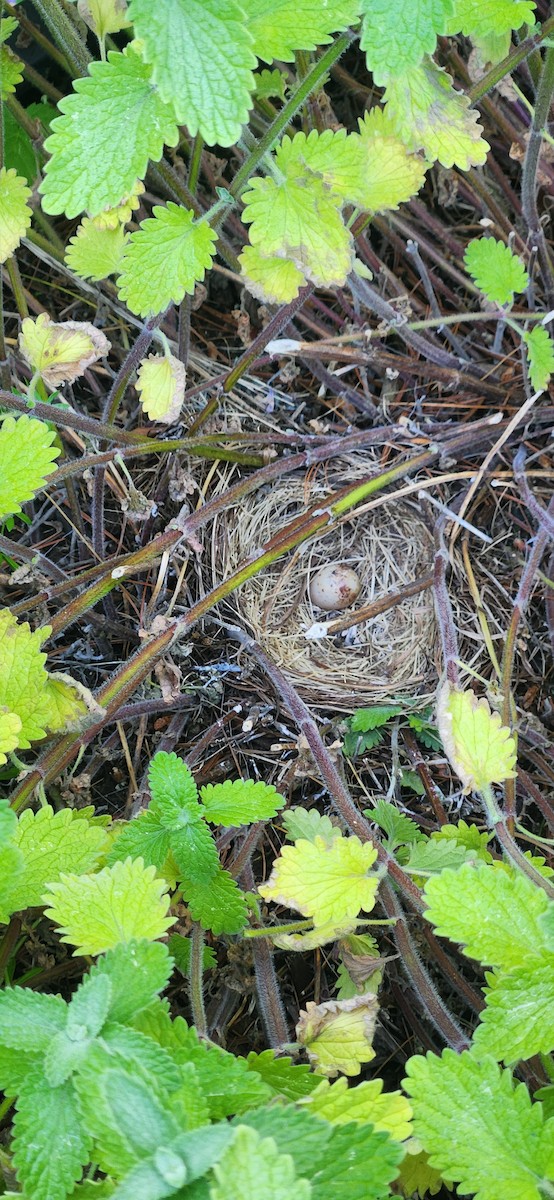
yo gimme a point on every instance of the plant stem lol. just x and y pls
(267, 984)
(65, 35)
(517, 55)
(196, 975)
(529, 173)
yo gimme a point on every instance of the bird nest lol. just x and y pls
(336, 660)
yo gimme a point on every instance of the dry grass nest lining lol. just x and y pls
(390, 546)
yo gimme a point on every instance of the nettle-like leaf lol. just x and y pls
(41, 702)
(164, 259)
(300, 223)
(338, 1035)
(285, 1078)
(11, 72)
(335, 157)
(253, 1169)
(307, 824)
(399, 828)
(480, 748)
(512, 933)
(328, 882)
(271, 279)
(430, 115)
(218, 904)
(391, 174)
(137, 970)
(28, 457)
(518, 1020)
(366, 1103)
(240, 802)
(540, 357)
(51, 843)
(288, 25)
(49, 1152)
(479, 1128)
(395, 37)
(466, 835)
(497, 271)
(202, 62)
(480, 18)
(119, 904)
(15, 213)
(113, 123)
(416, 1179)
(94, 253)
(61, 351)
(161, 381)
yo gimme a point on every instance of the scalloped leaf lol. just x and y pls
(479, 18)
(366, 1103)
(161, 380)
(11, 72)
(461, 1105)
(112, 124)
(61, 351)
(15, 213)
(335, 156)
(291, 1080)
(95, 253)
(270, 279)
(253, 1169)
(164, 259)
(540, 357)
(299, 223)
(25, 687)
(288, 25)
(308, 823)
(218, 904)
(52, 843)
(430, 115)
(240, 802)
(202, 62)
(49, 1153)
(512, 934)
(392, 174)
(518, 1020)
(338, 1035)
(395, 37)
(119, 904)
(479, 747)
(326, 882)
(496, 270)
(28, 458)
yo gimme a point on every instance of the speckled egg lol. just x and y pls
(335, 587)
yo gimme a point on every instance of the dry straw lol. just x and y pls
(391, 547)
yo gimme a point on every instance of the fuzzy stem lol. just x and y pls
(267, 985)
(65, 35)
(196, 991)
(517, 55)
(530, 169)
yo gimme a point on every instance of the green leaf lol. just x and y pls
(371, 718)
(430, 115)
(196, 857)
(202, 62)
(518, 1020)
(28, 458)
(307, 824)
(417, 1179)
(395, 37)
(365, 1104)
(218, 904)
(52, 843)
(540, 356)
(424, 729)
(25, 688)
(338, 1035)
(497, 271)
(240, 802)
(271, 279)
(11, 72)
(326, 882)
(180, 949)
(253, 1169)
(119, 904)
(164, 259)
(294, 221)
(15, 214)
(399, 828)
(478, 18)
(28, 1020)
(94, 253)
(285, 1078)
(171, 784)
(478, 1127)
(50, 1147)
(116, 1148)
(138, 971)
(19, 152)
(512, 931)
(432, 857)
(113, 123)
(335, 157)
(466, 835)
(145, 837)
(288, 25)
(358, 1163)
(294, 1130)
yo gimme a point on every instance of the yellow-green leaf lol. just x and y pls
(15, 214)
(96, 912)
(271, 279)
(95, 253)
(161, 383)
(430, 115)
(10, 728)
(328, 882)
(338, 1035)
(28, 458)
(540, 356)
(367, 1102)
(61, 351)
(480, 748)
(300, 222)
(392, 173)
(164, 259)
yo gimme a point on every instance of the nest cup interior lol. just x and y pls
(390, 546)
